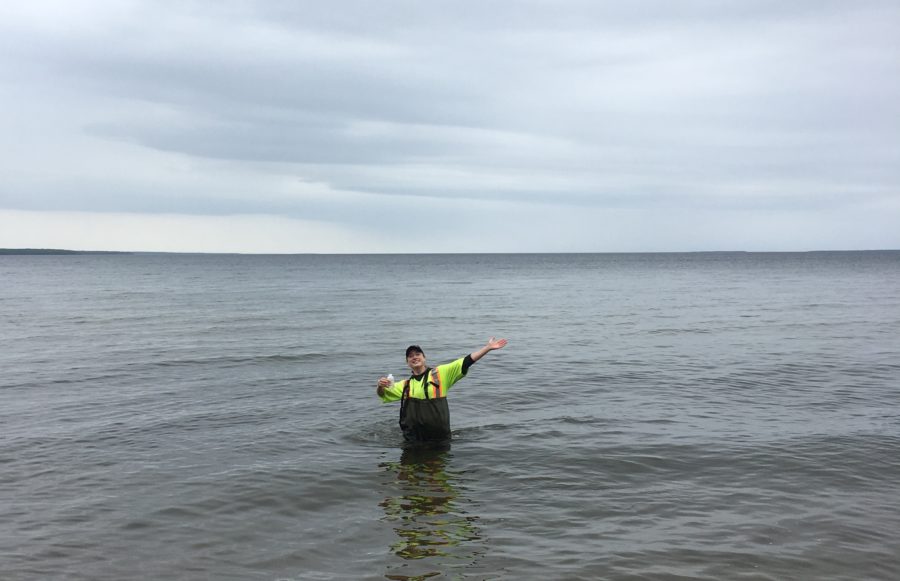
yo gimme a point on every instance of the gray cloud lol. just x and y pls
(309, 110)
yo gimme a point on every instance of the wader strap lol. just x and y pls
(426, 379)
(404, 397)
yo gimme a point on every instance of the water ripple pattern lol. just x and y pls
(674, 416)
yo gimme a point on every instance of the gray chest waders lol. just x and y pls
(424, 420)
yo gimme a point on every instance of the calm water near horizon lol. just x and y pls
(654, 416)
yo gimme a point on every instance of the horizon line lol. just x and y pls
(63, 252)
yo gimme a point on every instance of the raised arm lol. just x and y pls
(492, 345)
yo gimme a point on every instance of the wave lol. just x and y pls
(227, 361)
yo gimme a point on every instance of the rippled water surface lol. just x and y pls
(698, 416)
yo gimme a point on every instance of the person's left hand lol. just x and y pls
(496, 343)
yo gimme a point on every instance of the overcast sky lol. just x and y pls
(457, 126)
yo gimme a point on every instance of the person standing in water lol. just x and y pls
(424, 413)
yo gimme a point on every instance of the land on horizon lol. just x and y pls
(37, 251)
(64, 252)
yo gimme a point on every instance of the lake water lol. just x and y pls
(672, 416)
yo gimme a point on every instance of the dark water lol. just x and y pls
(704, 416)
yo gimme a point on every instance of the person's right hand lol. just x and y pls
(384, 382)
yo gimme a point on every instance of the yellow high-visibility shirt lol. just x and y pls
(444, 376)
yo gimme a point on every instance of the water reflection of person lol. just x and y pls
(435, 531)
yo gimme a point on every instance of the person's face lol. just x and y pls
(415, 359)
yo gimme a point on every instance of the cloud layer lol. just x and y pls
(676, 126)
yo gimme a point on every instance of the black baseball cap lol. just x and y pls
(413, 349)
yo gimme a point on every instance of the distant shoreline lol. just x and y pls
(64, 252)
(53, 251)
